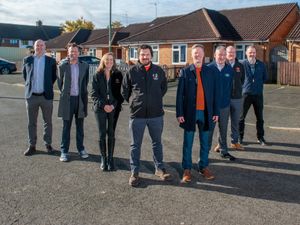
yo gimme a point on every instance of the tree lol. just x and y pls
(116, 24)
(70, 25)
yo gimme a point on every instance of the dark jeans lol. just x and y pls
(65, 140)
(105, 122)
(258, 104)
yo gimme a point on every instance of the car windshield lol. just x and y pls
(5, 60)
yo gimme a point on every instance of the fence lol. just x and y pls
(288, 73)
(171, 72)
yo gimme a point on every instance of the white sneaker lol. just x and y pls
(64, 157)
(83, 154)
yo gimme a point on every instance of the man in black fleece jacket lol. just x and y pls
(146, 84)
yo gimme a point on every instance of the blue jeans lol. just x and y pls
(188, 144)
(136, 130)
(65, 139)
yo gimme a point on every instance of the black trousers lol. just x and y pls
(105, 123)
(258, 105)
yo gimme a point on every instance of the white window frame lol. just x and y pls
(92, 52)
(179, 51)
(155, 48)
(135, 54)
(241, 47)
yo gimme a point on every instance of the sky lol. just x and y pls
(56, 12)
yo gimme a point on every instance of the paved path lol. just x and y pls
(261, 187)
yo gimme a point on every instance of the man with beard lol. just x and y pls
(255, 76)
(73, 78)
(146, 84)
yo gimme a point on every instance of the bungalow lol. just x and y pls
(16, 40)
(266, 27)
(293, 40)
(56, 47)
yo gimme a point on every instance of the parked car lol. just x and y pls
(91, 60)
(7, 67)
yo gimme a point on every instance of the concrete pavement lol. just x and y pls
(261, 187)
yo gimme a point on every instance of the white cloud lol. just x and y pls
(56, 12)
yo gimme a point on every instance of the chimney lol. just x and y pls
(38, 23)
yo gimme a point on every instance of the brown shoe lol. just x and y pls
(30, 151)
(187, 177)
(163, 175)
(49, 149)
(207, 174)
(217, 148)
(134, 180)
(237, 146)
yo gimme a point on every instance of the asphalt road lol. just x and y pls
(261, 187)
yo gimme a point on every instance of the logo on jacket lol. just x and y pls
(238, 69)
(117, 81)
(155, 76)
(227, 75)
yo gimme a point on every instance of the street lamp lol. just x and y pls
(109, 30)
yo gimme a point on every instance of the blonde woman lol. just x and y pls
(107, 98)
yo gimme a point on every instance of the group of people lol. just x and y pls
(206, 95)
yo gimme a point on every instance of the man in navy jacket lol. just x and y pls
(255, 76)
(225, 73)
(39, 73)
(197, 103)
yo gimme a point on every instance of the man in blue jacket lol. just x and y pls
(255, 76)
(197, 103)
(225, 73)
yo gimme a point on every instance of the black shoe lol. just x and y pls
(262, 141)
(30, 151)
(228, 156)
(49, 149)
(103, 164)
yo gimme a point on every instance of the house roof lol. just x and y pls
(199, 27)
(258, 23)
(294, 35)
(100, 37)
(244, 24)
(63, 40)
(27, 32)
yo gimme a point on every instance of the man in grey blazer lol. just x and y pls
(39, 72)
(73, 78)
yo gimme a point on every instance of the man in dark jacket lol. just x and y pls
(146, 84)
(255, 76)
(225, 73)
(197, 102)
(73, 78)
(39, 72)
(236, 96)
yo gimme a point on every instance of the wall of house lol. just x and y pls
(294, 51)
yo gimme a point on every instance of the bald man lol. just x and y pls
(39, 72)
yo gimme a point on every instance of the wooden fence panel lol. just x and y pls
(288, 73)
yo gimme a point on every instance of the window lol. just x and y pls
(155, 58)
(179, 54)
(133, 53)
(92, 52)
(13, 41)
(241, 51)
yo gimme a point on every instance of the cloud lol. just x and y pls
(56, 12)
